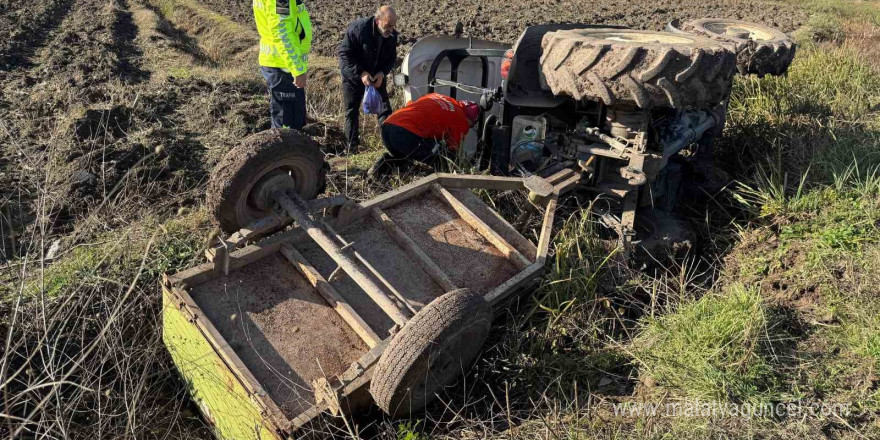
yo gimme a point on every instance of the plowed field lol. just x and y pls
(89, 88)
(504, 20)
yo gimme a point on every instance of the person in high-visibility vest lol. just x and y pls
(285, 40)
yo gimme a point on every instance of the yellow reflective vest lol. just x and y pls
(285, 34)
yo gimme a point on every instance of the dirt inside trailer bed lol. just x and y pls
(281, 328)
(464, 255)
(496, 222)
(370, 241)
(457, 248)
(503, 21)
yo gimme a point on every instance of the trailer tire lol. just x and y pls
(229, 197)
(432, 350)
(636, 67)
(760, 50)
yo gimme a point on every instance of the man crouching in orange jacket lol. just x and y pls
(415, 132)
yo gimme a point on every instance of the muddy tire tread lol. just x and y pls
(590, 59)
(231, 173)
(677, 75)
(767, 57)
(658, 66)
(410, 349)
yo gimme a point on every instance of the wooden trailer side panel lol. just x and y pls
(219, 393)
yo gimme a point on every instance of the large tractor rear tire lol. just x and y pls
(272, 159)
(432, 350)
(645, 68)
(760, 50)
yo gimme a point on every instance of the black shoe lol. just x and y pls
(384, 165)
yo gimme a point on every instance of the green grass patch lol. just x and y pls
(821, 83)
(843, 9)
(574, 274)
(559, 344)
(822, 27)
(815, 254)
(712, 349)
(817, 126)
(410, 430)
(116, 256)
(83, 266)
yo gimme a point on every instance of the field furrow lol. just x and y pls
(504, 20)
(24, 26)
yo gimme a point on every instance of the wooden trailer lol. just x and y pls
(269, 335)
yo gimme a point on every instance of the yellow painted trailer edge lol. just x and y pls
(222, 398)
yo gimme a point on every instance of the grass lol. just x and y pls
(711, 349)
(788, 312)
(815, 122)
(791, 319)
(567, 318)
(87, 329)
(840, 11)
(216, 37)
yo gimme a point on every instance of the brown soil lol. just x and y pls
(24, 24)
(501, 20)
(281, 328)
(463, 254)
(379, 249)
(395, 265)
(495, 221)
(82, 117)
(347, 288)
(759, 260)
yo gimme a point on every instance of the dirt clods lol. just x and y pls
(504, 20)
(96, 122)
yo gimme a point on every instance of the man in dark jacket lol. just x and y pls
(366, 56)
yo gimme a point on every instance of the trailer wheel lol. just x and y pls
(635, 67)
(760, 50)
(431, 351)
(240, 185)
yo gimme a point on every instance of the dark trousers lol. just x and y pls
(404, 144)
(287, 102)
(352, 95)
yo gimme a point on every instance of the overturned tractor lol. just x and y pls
(635, 112)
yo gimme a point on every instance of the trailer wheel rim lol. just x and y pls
(303, 176)
(260, 195)
(275, 152)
